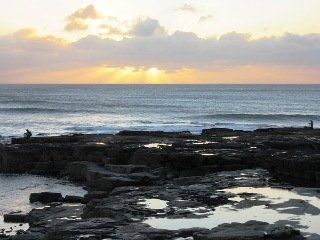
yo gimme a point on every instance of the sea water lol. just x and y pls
(16, 189)
(65, 109)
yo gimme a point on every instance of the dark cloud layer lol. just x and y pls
(187, 50)
(179, 50)
(147, 27)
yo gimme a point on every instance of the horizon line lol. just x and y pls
(155, 84)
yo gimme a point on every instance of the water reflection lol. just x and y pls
(157, 145)
(15, 191)
(154, 203)
(298, 207)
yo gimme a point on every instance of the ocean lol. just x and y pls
(67, 109)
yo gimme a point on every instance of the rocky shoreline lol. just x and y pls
(127, 173)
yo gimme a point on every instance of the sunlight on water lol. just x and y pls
(278, 195)
(299, 208)
(231, 138)
(154, 203)
(157, 145)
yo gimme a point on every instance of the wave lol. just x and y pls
(92, 129)
(28, 110)
(130, 105)
(246, 126)
(236, 116)
(33, 110)
(25, 101)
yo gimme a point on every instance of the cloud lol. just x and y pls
(187, 8)
(26, 50)
(76, 21)
(110, 30)
(85, 13)
(76, 25)
(141, 27)
(25, 33)
(147, 27)
(205, 18)
(112, 27)
(183, 49)
(31, 34)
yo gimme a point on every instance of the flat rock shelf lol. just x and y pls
(221, 184)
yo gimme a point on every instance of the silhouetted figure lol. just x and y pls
(311, 124)
(265, 236)
(27, 134)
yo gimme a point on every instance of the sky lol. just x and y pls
(156, 42)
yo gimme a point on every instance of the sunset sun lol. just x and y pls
(153, 71)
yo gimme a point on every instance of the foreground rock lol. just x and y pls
(45, 197)
(251, 230)
(125, 212)
(73, 199)
(182, 173)
(15, 217)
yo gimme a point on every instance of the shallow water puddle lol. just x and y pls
(209, 154)
(231, 138)
(157, 145)
(203, 142)
(15, 191)
(299, 208)
(154, 203)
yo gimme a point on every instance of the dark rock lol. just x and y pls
(199, 171)
(213, 131)
(214, 200)
(58, 139)
(145, 178)
(55, 204)
(77, 171)
(183, 176)
(126, 169)
(45, 197)
(252, 230)
(95, 195)
(15, 217)
(154, 133)
(73, 199)
(85, 229)
(109, 183)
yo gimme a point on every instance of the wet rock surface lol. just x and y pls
(251, 230)
(45, 197)
(136, 177)
(290, 153)
(15, 217)
(125, 211)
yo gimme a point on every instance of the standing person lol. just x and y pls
(311, 124)
(27, 134)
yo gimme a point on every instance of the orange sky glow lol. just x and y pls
(87, 43)
(128, 75)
